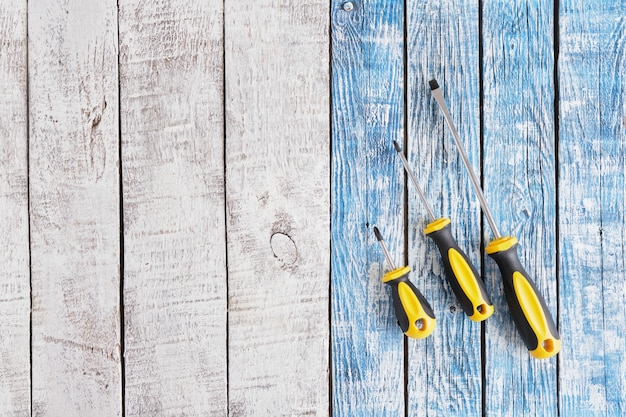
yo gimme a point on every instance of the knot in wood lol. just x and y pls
(284, 248)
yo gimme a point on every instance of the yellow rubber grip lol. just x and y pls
(483, 309)
(396, 273)
(421, 325)
(533, 311)
(415, 316)
(436, 225)
(500, 245)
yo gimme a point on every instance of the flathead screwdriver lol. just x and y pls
(528, 308)
(414, 314)
(462, 276)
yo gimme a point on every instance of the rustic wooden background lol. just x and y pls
(188, 187)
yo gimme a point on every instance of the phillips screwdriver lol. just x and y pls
(465, 281)
(528, 308)
(414, 314)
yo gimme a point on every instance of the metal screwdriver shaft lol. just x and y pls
(409, 171)
(438, 95)
(384, 247)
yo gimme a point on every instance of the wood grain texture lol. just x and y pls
(171, 75)
(519, 184)
(367, 190)
(14, 256)
(442, 43)
(592, 369)
(277, 191)
(74, 195)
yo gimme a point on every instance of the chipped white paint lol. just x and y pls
(171, 76)
(14, 278)
(74, 196)
(597, 397)
(277, 177)
(570, 105)
(373, 272)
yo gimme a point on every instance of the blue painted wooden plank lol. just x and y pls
(591, 207)
(519, 183)
(367, 189)
(442, 43)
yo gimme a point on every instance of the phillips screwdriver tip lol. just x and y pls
(377, 233)
(433, 84)
(397, 146)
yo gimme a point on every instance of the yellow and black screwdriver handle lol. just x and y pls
(465, 281)
(528, 308)
(414, 314)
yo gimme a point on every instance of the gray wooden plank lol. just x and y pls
(74, 195)
(367, 190)
(171, 97)
(519, 183)
(277, 192)
(14, 247)
(442, 43)
(592, 371)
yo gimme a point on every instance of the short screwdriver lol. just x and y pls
(414, 314)
(465, 281)
(528, 308)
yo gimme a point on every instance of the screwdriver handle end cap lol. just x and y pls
(547, 349)
(482, 314)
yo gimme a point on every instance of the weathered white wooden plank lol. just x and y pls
(171, 74)
(367, 190)
(592, 145)
(445, 370)
(14, 258)
(74, 195)
(277, 191)
(519, 183)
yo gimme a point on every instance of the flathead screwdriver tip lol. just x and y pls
(433, 84)
(397, 146)
(377, 233)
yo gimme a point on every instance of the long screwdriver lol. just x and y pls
(528, 308)
(465, 281)
(414, 314)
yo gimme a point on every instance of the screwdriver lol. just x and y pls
(465, 281)
(414, 314)
(528, 308)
